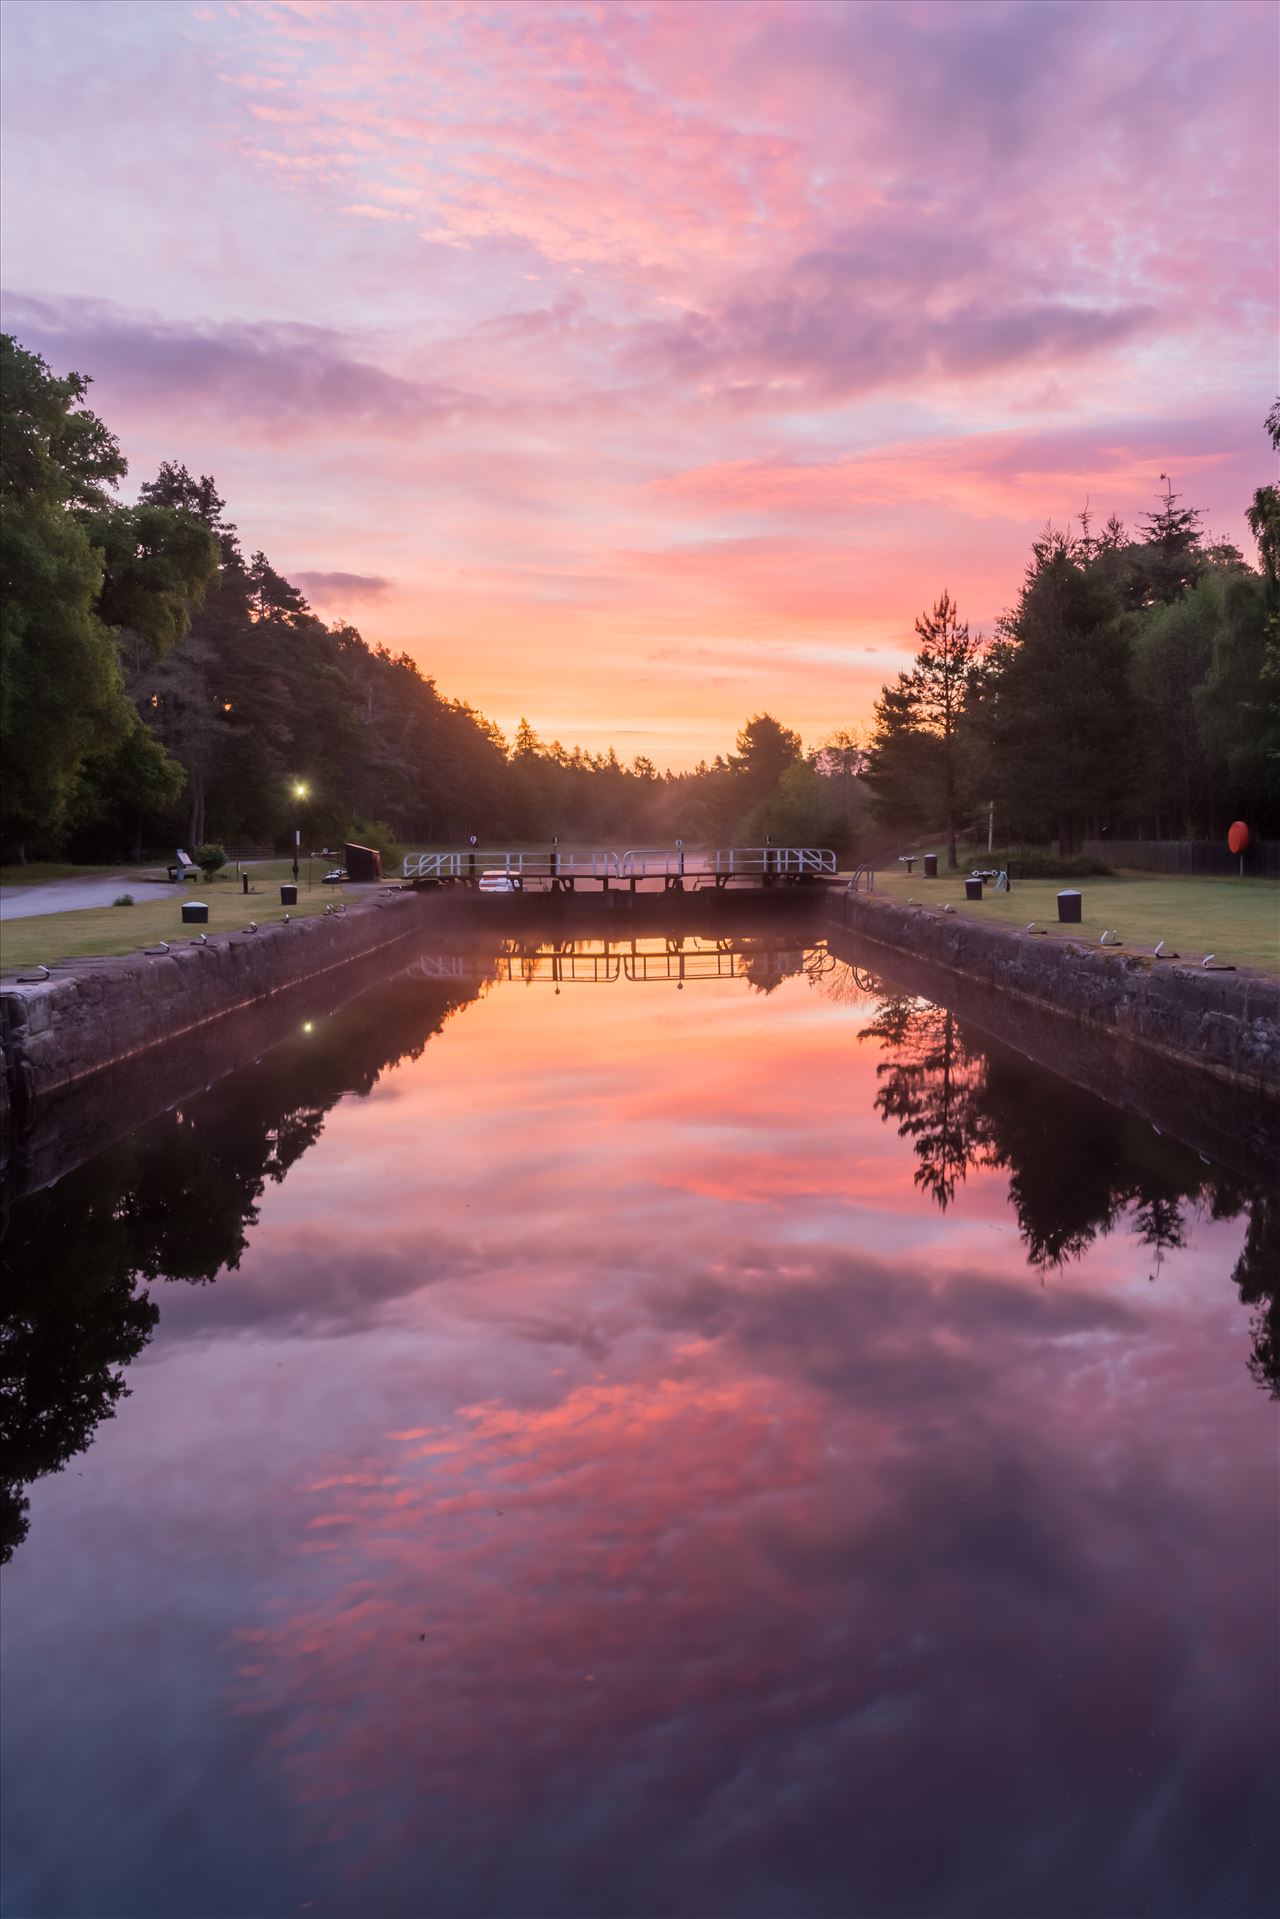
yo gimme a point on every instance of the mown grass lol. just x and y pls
(41, 872)
(98, 931)
(1237, 920)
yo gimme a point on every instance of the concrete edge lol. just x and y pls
(1226, 1024)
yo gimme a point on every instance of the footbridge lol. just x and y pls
(672, 869)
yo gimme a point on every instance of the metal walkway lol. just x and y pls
(677, 868)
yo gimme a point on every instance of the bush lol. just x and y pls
(125, 899)
(210, 858)
(378, 834)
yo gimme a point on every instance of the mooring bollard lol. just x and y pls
(973, 889)
(288, 895)
(1069, 907)
(195, 913)
(931, 866)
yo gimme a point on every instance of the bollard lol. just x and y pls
(931, 866)
(288, 895)
(1069, 907)
(973, 889)
(195, 913)
(244, 881)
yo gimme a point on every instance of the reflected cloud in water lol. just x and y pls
(700, 1452)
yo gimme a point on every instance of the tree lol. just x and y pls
(1066, 706)
(79, 572)
(1170, 559)
(903, 768)
(940, 681)
(1172, 652)
(766, 749)
(805, 808)
(1237, 703)
(59, 681)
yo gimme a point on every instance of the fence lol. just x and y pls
(1188, 856)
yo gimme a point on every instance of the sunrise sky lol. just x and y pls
(638, 367)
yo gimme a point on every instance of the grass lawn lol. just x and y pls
(40, 872)
(100, 930)
(1237, 920)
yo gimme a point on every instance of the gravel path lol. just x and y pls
(72, 896)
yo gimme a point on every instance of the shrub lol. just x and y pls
(210, 858)
(125, 899)
(376, 833)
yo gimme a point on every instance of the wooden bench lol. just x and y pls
(183, 868)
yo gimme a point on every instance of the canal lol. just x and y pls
(686, 1429)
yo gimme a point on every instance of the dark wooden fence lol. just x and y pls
(1188, 856)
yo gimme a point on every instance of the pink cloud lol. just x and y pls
(627, 338)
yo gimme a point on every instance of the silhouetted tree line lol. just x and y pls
(162, 687)
(1134, 689)
(1077, 1166)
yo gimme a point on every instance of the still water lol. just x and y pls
(696, 1432)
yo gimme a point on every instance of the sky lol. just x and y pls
(639, 367)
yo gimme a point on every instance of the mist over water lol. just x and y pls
(683, 1427)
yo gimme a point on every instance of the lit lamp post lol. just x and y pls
(299, 794)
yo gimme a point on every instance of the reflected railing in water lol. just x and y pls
(639, 961)
(176, 1199)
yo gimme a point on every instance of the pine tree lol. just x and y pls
(940, 680)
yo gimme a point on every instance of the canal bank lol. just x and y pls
(63, 1029)
(1224, 1024)
(101, 1043)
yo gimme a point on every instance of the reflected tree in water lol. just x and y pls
(174, 1201)
(1257, 1276)
(931, 1084)
(1076, 1164)
(766, 968)
(73, 1318)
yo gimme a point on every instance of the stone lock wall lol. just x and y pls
(98, 1013)
(1224, 1023)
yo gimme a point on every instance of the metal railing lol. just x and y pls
(641, 863)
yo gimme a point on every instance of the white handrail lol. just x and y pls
(601, 863)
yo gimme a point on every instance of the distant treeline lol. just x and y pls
(160, 688)
(1134, 690)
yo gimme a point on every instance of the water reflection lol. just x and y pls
(176, 1200)
(626, 1466)
(173, 1201)
(1076, 1165)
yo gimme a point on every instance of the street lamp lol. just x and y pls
(299, 794)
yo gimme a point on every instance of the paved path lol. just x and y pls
(72, 896)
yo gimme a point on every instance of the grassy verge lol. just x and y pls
(1237, 920)
(101, 930)
(40, 872)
